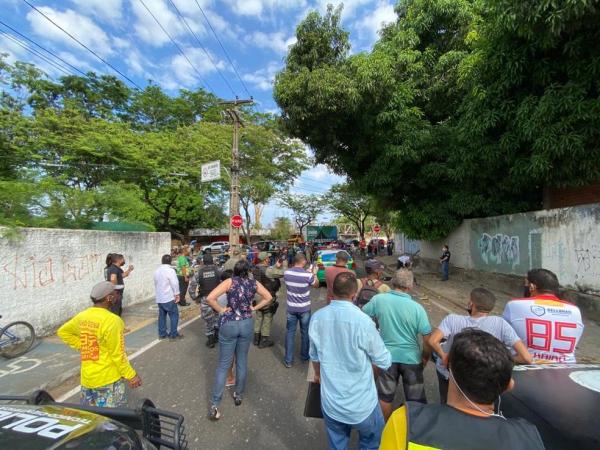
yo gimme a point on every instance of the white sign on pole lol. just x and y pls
(211, 171)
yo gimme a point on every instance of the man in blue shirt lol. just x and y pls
(344, 346)
(401, 321)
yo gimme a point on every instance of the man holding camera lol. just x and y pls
(269, 278)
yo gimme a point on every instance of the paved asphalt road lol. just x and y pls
(178, 376)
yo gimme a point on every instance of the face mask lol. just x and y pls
(492, 414)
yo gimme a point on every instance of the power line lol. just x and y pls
(223, 48)
(43, 48)
(35, 52)
(83, 45)
(176, 45)
(202, 47)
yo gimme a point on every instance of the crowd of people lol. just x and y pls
(367, 341)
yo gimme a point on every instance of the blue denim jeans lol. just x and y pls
(169, 308)
(369, 431)
(292, 322)
(445, 270)
(235, 337)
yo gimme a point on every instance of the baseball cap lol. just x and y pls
(102, 289)
(373, 264)
(262, 256)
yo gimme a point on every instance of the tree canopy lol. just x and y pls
(78, 148)
(463, 108)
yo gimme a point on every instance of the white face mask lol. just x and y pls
(492, 414)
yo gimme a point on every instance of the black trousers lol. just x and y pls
(117, 307)
(183, 287)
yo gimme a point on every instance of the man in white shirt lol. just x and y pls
(166, 287)
(549, 327)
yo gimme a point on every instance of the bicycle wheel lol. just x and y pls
(16, 338)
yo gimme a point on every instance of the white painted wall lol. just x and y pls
(47, 275)
(563, 240)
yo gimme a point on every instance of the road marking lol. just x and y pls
(16, 367)
(145, 348)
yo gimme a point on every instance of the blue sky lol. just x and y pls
(255, 33)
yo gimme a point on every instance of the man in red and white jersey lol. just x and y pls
(549, 327)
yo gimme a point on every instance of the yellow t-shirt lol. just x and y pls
(98, 335)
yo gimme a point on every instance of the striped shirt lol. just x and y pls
(494, 325)
(298, 282)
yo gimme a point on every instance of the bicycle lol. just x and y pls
(16, 339)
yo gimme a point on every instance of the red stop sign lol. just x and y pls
(376, 228)
(236, 221)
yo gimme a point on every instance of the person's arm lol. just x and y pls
(435, 343)
(523, 356)
(275, 271)
(370, 309)
(113, 278)
(193, 288)
(425, 331)
(69, 334)
(317, 367)
(174, 283)
(315, 279)
(115, 343)
(266, 297)
(221, 289)
(128, 271)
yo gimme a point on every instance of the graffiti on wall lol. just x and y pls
(38, 272)
(588, 261)
(499, 249)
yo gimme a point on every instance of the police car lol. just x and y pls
(38, 422)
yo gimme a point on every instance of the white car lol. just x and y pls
(214, 247)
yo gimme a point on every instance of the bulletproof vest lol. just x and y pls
(208, 278)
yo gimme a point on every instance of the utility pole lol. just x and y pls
(234, 197)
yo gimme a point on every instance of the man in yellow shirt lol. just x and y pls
(98, 335)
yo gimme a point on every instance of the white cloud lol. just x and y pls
(111, 10)
(17, 53)
(275, 41)
(148, 30)
(263, 79)
(82, 27)
(184, 75)
(368, 27)
(260, 8)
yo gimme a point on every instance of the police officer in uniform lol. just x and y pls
(204, 281)
(269, 278)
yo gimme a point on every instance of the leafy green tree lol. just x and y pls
(305, 208)
(462, 109)
(269, 163)
(355, 207)
(282, 228)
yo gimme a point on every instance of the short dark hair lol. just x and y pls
(483, 299)
(207, 258)
(241, 269)
(544, 280)
(446, 246)
(166, 259)
(481, 365)
(341, 256)
(226, 274)
(300, 257)
(345, 285)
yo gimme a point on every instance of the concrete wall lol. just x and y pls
(564, 240)
(46, 276)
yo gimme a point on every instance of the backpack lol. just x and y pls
(369, 289)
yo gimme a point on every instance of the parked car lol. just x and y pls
(38, 422)
(326, 258)
(214, 247)
(561, 400)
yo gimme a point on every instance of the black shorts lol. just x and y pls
(411, 377)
